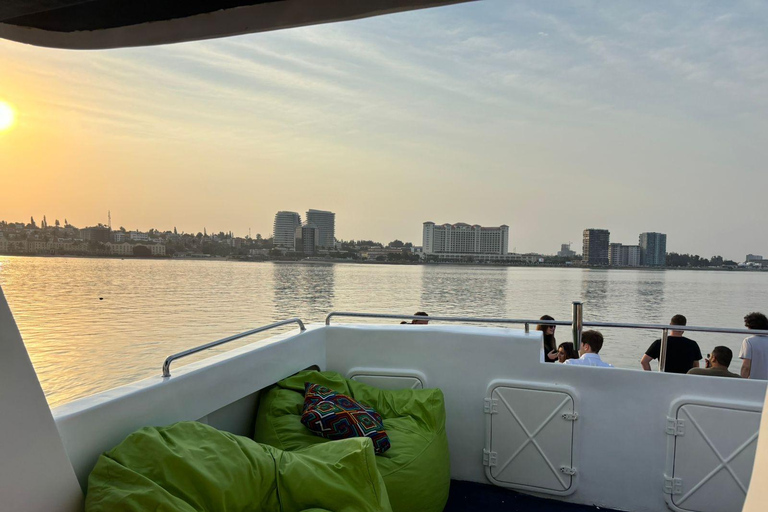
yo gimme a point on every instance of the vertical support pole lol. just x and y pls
(577, 323)
(527, 328)
(663, 354)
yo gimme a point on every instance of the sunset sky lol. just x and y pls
(548, 118)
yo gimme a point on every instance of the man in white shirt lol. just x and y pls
(754, 349)
(591, 343)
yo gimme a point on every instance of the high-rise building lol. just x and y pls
(620, 255)
(565, 251)
(462, 238)
(307, 238)
(595, 250)
(653, 249)
(326, 223)
(284, 230)
(614, 255)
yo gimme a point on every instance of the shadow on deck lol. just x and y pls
(471, 496)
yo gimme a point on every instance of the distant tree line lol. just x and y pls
(694, 260)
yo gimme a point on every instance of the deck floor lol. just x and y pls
(471, 496)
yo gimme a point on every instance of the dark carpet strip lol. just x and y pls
(471, 497)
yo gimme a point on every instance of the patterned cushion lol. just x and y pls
(335, 416)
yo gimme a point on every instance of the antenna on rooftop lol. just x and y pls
(109, 218)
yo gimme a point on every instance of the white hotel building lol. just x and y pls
(460, 241)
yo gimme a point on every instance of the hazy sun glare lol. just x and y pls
(7, 116)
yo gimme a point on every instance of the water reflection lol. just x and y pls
(649, 296)
(303, 290)
(594, 292)
(464, 292)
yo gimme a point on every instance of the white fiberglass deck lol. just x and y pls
(585, 435)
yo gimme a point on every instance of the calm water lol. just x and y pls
(80, 344)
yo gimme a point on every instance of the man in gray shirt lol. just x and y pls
(717, 364)
(754, 349)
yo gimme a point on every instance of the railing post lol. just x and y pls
(663, 353)
(577, 323)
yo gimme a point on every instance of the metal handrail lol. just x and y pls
(527, 323)
(693, 328)
(170, 359)
(659, 327)
(577, 324)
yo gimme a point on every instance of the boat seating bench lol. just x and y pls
(192, 467)
(416, 469)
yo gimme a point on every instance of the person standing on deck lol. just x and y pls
(754, 349)
(550, 345)
(682, 353)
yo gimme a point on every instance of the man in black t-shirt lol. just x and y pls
(682, 353)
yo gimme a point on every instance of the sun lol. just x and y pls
(7, 116)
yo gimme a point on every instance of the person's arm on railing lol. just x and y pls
(645, 362)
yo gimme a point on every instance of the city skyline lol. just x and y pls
(503, 230)
(642, 117)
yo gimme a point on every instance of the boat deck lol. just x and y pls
(471, 496)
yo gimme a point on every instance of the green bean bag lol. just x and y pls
(416, 469)
(191, 467)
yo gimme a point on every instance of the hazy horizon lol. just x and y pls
(548, 118)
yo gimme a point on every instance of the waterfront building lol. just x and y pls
(138, 236)
(614, 255)
(69, 246)
(565, 251)
(509, 258)
(653, 249)
(463, 239)
(96, 234)
(326, 223)
(37, 246)
(374, 252)
(129, 249)
(596, 243)
(753, 257)
(620, 255)
(307, 238)
(632, 255)
(284, 230)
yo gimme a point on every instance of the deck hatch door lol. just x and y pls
(531, 434)
(713, 458)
